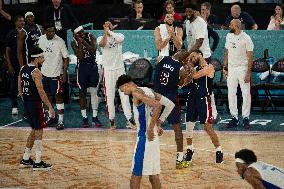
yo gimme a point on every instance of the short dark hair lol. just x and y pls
(191, 6)
(207, 5)
(247, 155)
(34, 51)
(169, 2)
(198, 51)
(123, 79)
(17, 17)
(49, 25)
(137, 2)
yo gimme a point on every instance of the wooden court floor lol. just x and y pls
(102, 159)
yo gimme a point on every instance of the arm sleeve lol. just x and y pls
(64, 50)
(169, 105)
(249, 44)
(119, 37)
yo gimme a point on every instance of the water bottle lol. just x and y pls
(145, 53)
(265, 53)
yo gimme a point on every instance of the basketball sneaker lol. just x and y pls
(188, 158)
(60, 126)
(233, 123)
(130, 124)
(219, 157)
(15, 111)
(41, 166)
(85, 123)
(180, 164)
(217, 119)
(51, 122)
(96, 122)
(246, 123)
(26, 163)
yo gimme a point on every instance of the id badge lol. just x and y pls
(58, 25)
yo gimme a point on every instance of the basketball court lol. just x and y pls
(101, 158)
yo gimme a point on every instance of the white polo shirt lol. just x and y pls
(112, 53)
(237, 46)
(197, 30)
(54, 52)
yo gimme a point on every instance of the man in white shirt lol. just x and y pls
(111, 46)
(197, 39)
(54, 69)
(167, 37)
(238, 61)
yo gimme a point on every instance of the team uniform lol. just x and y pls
(87, 72)
(170, 48)
(32, 37)
(166, 81)
(237, 46)
(32, 101)
(272, 177)
(146, 159)
(113, 66)
(54, 50)
(198, 106)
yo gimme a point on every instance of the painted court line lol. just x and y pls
(11, 123)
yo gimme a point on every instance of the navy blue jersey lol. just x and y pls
(28, 85)
(88, 57)
(11, 42)
(31, 37)
(202, 86)
(166, 76)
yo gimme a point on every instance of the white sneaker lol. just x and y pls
(14, 111)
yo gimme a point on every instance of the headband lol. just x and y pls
(78, 29)
(36, 55)
(239, 160)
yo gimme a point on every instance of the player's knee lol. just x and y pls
(189, 129)
(208, 128)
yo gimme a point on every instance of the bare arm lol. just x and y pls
(5, 14)
(205, 71)
(160, 44)
(20, 46)
(253, 177)
(250, 61)
(65, 68)
(254, 27)
(8, 59)
(78, 50)
(177, 39)
(103, 42)
(20, 92)
(186, 76)
(225, 67)
(37, 77)
(197, 45)
(91, 47)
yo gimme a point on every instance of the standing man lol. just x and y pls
(28, 37)
(258, 174)
(167, 76)
(31, 90)
(197, 39)
(169, 7)
(167, 37)
(111, 44)
(13, 64)
(54, 69)
(237, 70)
(198, 105)
(147, 107)
(84, 46)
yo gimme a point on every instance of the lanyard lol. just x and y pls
(59, 15)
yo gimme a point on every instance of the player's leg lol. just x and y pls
(47, 84)
(109, 89)
(135, 182)
(14, 93)
(27, 161)
(60, 107)
(246, 94)
(155, 181)
(232, 83)
(125, 104)
(216, 116)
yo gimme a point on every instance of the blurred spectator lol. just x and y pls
(248, 22)
(276, 19)
(211, 19)
(62, 17)
(170, 8)
(138, 11)
(3, 13)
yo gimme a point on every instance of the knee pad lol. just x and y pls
(189, 129)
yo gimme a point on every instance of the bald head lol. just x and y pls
(235, 11)
(235, 26)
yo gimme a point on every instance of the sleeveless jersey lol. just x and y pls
(88, 57)
(272, 177)
(28, 85)
(32, 37)
(166, 76)
(202, 86)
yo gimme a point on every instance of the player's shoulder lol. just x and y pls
(245, 35)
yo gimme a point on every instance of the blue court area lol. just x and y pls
(268, 121)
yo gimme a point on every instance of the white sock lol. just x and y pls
(179, 156)
(190, 147)
(219, 148)
(84, 113)
(60, 118)
(38, 151)
(94, 100)
(27, 153)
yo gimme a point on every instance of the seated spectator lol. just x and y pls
(170, 8)
(138, 12)
(276, 19)
(248, 22)
(211, 19)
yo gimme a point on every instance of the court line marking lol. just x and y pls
(11, 123)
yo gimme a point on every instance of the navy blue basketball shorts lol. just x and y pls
(35, 114)
(175, 115)
(52, 85)
(87, 75)
(198, 108)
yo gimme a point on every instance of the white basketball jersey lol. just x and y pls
(272, 177)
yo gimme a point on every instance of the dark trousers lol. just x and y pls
(14, 90)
